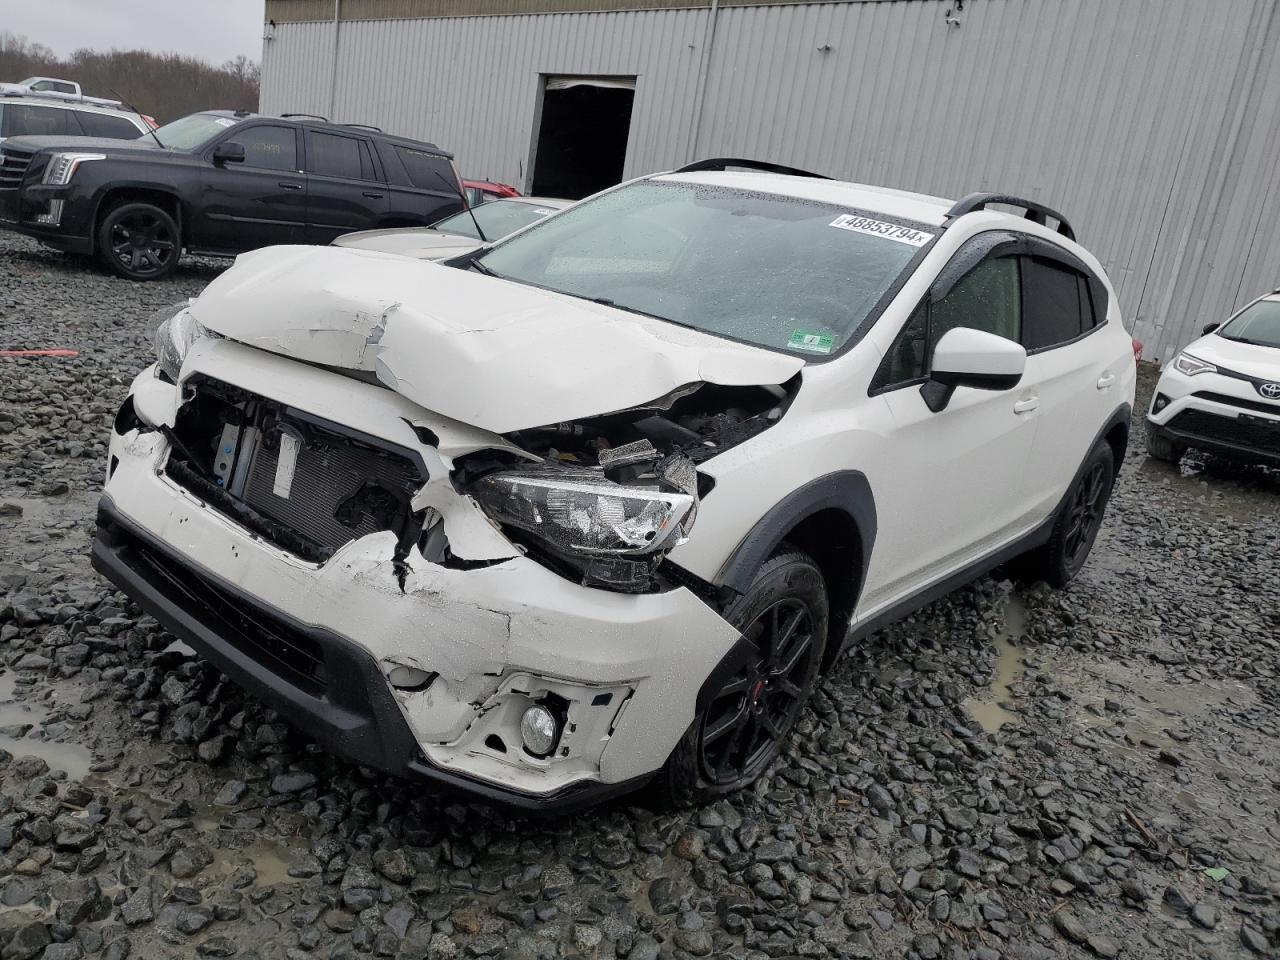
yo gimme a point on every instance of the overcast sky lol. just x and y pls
(213, 30)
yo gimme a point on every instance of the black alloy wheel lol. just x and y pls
(749, 717)
(1076, 525)
(1084, 516)
(139, 241)
(748, 710)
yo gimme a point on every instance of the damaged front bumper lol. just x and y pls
(485, 638)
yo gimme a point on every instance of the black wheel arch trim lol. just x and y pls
(846, 490)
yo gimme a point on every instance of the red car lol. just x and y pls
(482, 191)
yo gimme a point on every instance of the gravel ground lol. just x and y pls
(1014, 772)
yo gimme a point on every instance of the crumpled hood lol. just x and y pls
(492, 353)
(420, 242)
(1247, 358)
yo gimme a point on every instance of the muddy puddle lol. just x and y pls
(988, 710)
(20, 724)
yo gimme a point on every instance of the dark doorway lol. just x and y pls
(582, 139)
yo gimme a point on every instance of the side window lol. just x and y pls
(1089, 312)
(269, 148)
(1053, 309)
(986, 299)
(105, 125)
(332, 155)
(25, 120)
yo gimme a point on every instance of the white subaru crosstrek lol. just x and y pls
(599, 504)
(1222, 393)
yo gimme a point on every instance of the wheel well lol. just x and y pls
(832, 539)
(1118, 440)
(165, 201)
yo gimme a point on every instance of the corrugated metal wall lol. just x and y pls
(1154, 124)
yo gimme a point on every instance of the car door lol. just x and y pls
(257, 202)
(345, 191)
(958, 487)
(1068, 361)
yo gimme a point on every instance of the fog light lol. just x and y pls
(1161, 402)
(409, 678)
(54, 217)
(538, 730)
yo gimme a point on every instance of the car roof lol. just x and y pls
(39, 101)
(305, 121)
(919, 207)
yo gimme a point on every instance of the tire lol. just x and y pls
(1078, 522)
(139, 241)
(1162, 448)
(744, 725)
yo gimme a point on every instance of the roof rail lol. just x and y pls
(78, 98)
(1036, 212)
(362, 126)
(303, 116)
(725, 163)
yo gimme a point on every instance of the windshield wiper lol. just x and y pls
(606, 302)
(479, 267)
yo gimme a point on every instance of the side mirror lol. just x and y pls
(965, 357)
(1208, 328)
(228, 152)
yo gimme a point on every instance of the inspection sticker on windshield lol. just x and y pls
(224, 122)
(878, 228)
(812, 342)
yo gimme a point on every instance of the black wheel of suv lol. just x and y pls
(139, 241)
(749, 716)
(1162, 448)
(1078, 522)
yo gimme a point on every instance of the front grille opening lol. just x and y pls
(306, 485)
(1259, 405)
(1245, 431)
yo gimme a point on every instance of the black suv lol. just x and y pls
(220, 183)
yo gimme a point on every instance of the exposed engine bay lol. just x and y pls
(599, 500)
(614, 493)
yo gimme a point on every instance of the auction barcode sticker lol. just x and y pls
(878, 228)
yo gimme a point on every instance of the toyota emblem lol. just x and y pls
(1270, 390)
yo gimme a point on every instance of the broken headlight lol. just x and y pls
(174, 336)
(614, 534)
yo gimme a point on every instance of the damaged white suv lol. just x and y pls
(599, 503)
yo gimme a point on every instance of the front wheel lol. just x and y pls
(1078, 521)
(749, 715)
(139, 241)
(1162, 448)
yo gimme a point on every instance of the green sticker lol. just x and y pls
(812, 342)
(1216, 873)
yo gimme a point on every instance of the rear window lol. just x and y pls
(26, 120)
(105, 125)
(427, 170)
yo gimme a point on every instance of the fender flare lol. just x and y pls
(845, 490)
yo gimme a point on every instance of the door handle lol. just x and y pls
(1106, 380)
(1026, 405)
(372, 196)
(289, 186)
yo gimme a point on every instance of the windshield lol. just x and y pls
(778, 272)
(496, 218)
(193, 131)
(1258, 324)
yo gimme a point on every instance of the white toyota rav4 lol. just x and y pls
(599, 504)
(1222, 393)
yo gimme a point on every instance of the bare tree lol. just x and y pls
(165, 86)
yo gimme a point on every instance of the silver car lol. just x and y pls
(460, 233)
